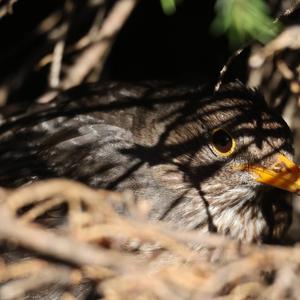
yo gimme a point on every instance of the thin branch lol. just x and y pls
(96, 53)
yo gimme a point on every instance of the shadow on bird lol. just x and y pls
(206, 161)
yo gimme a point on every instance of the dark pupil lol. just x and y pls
(222, 141)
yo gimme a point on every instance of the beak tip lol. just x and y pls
(283, 174)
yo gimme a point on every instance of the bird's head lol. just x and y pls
(254, 143)
(226, 153)
(242, 146)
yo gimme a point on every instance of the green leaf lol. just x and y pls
(168, 6)
(242, 20)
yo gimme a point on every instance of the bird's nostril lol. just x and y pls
(279, 167)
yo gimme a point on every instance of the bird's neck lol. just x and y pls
(237, 212)
(247, 214)
(241, 218)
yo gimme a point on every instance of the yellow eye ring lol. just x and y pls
(222, 142)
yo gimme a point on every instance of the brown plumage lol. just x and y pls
(192, 156)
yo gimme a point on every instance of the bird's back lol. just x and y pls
(106, 135)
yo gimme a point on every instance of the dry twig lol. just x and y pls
(121, 275)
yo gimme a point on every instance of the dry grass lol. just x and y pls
(61, 234)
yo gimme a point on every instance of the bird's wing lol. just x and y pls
(106, 136)
(84, 148)
(79, 147)
(88, 124)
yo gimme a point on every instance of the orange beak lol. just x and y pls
(284, 174)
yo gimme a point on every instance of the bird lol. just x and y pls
(203, 160)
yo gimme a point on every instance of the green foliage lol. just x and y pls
(168, 6)
(242, 20)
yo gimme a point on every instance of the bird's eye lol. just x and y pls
(223, 143)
